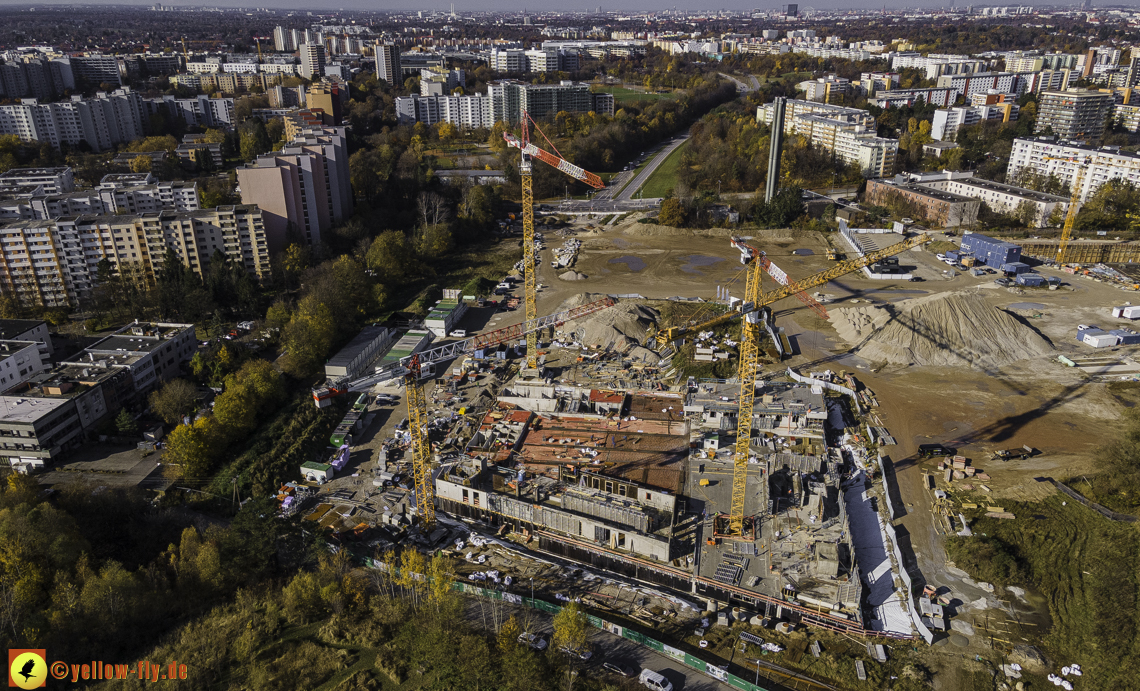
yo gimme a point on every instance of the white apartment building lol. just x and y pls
(1000, 197)
(848, 132)
(898, 97)
(937, 65)
(1046, 156)
(48, 180)
(1004, 82)
(19, 362)
(469, 112)
(948, 121)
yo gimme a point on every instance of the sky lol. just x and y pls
(514, 5)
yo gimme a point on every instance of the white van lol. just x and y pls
(653, 680)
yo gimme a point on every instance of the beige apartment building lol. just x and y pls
(55, 262)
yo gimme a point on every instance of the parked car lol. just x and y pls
(654, 681)
(916, 279)
(1004, 282)
(619, 668)
(582, 654)
(534, 641)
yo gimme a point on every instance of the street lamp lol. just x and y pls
(532, 595)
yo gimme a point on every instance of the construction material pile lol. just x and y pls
(621, 328)
(943, 330)
(572, 276)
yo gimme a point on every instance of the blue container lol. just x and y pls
(989, 251)
(1031, 280)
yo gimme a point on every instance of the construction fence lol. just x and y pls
(680, 656)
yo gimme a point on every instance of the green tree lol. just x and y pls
(390, 256)
(140, 164)
(174, 400)
(126, 424)
(254, 139)
(672, 213)
(192, 449)
(434, 241)
(308, 338)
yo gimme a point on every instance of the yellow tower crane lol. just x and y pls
(736, 525)
(1071, 212)
(527, 151)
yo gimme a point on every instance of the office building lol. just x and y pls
(66, 251)
(946, 122)
(388, 67)
(304, 186)
(1074, 114)
(1047, 156)
(312, 61)
(1001, 198)
(940, 209)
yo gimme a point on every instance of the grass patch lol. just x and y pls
(665, 177)
(940, 246)
(1086, 568)
(622, 94)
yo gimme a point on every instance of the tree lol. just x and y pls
(570, 632)
(671, 213)
(193, 448)
(433, 209)
(434, 241)
(390, 256)
(125, 424)
(140, 164)
(174, 400)
(254, 139)
(308, 338)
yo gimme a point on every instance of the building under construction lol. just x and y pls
(632, 481)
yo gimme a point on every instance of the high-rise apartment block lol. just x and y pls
(849, 133)
(1049, 157)
(388, 63)
(283, 40)
(1074, 114)
(54, 262)
(304, 188)
(312, 61)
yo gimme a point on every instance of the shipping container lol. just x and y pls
(1031, 280)
(1126, 336)
(988, 251)
(1015, 268)
(1100, 339)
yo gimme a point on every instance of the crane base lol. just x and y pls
(721, 529)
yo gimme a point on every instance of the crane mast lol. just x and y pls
(420, 446)
(527, 151)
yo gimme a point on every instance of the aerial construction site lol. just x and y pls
(692, 428)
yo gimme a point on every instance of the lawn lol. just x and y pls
(665, 177)
(623, 94)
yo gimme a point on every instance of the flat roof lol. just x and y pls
(356, 346)
(10, 347)
(11, 328)
(1011, 189)
(25, 409)
(25, 172)
(925, 191)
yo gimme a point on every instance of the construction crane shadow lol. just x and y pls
(1005, 428)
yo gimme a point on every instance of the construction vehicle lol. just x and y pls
(528, 150)
(735, 525)
(1007, 454)
(419, 366)
(831, 255)
(666, 336)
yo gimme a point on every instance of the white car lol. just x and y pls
(534, 641)
(941, 257)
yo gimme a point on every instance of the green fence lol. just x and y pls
(597, 622)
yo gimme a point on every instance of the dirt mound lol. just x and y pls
(621, 327)
(573, 276)
(943, 330)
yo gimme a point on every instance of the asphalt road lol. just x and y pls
(643, 176)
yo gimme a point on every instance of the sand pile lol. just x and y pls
(621, 327)
(572, 276)
(943, 330)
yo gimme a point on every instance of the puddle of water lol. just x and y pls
(803, 252)
(632, 263)
(693, 262)
(1027, 306)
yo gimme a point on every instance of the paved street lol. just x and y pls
(643, 176)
